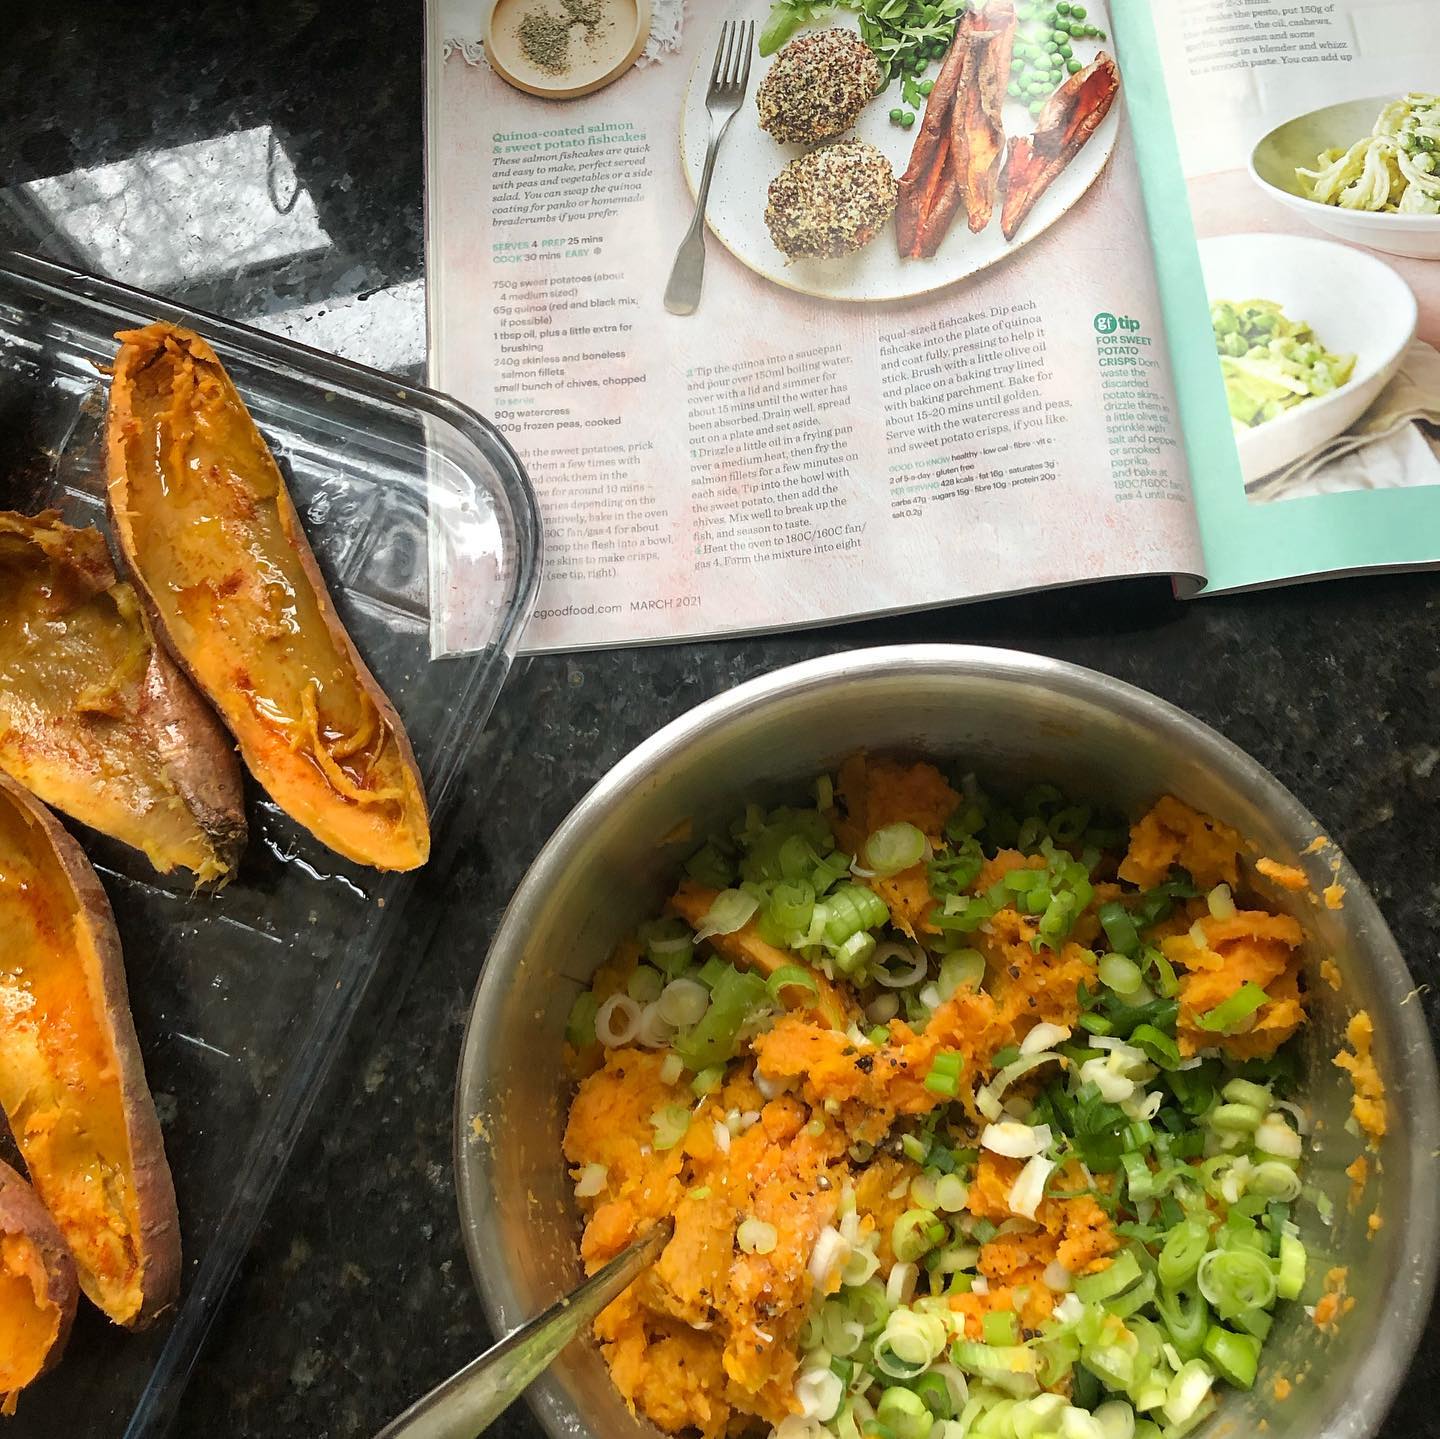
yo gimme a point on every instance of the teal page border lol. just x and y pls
(1245, 544)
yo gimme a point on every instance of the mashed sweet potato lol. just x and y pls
(804, 1149)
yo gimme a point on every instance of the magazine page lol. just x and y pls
(1300, 146)
(885, 394)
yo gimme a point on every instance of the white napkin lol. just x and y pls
(1387, 447)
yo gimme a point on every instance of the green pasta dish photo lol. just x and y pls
(1395, 168)
(1270, 362)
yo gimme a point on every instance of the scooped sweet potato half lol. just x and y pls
(95, 717)
(208, 530)
(72, 1083)
(37, 1289)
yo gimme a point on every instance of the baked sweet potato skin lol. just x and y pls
(72, 1083)
(95, 717)
(38, 1290)
(212, 539)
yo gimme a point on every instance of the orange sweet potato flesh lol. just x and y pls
(95, 717)
(72, 1083)
(37, 1289)
(212, 539)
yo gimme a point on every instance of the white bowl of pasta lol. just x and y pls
(1363, 171)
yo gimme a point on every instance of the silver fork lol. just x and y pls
(728, 79)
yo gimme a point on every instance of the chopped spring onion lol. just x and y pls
(915, 1233)
(1230, 1014)
(653, 1031)
(1012, 1367)
(756, 1236)
(1119, 1275)
(1276, 1137)
(911, 1340)
(1015, 1140)
(670, 1123)
(1187, 1391)
(1237, 1281)
(671, 1068)
(1180, 1256)
(683, 1002)
(730, 910)
(734, 998)
(1291, 1277)
(1120, 974)
(894, 848)
(1043, 1036)
(591, 1181)
(1236, 1357)
(617, 1021)
(1221, 904)
(831, 1251)
(951, 1193)
(883, 1008)
(792, 904)
(790, 976)
(819, 1392)
(903, 1412)
(851, 909)
(1186, 1319)
(854, 952)
(580, 1027)
(898, 966)
(900, 1286)
(1029, 1187)
(959, 968)
(708, 1080)
(644, 984)
(1119, 928)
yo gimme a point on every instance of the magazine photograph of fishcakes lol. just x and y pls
(876, 159)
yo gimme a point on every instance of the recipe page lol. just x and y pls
(890, 394)
(1300, 144)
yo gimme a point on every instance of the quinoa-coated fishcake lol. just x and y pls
(817, 87)
(831, 201)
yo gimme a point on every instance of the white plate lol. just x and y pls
(1353, 302)
(1298, 142)
(749, 160)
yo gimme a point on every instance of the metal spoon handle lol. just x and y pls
(467, 1402)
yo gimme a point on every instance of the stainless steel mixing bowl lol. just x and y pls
(1009, 716)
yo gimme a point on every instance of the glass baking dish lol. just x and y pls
(426, 528)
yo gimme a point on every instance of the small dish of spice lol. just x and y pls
(564, 48)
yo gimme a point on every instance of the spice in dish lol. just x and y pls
(950, 1133)
(830, 202)
(545, 41)
(817, 87)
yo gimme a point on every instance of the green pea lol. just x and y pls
(1013, 90)
(1078, 11)
(1016, 66)
(1050, 17)
(1064, 52)
(1036, 106)
(926, 86)
(1059, 37)
(1074, 66)
(1101, 35)
(897, 114)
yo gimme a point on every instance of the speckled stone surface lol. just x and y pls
(356, 1296)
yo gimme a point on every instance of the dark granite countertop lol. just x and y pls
(356, 1296)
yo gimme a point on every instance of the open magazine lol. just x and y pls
(997, 295)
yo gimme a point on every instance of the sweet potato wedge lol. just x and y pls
(72, 1083)
(212, 540)
(95, 718)
(37, 1289)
